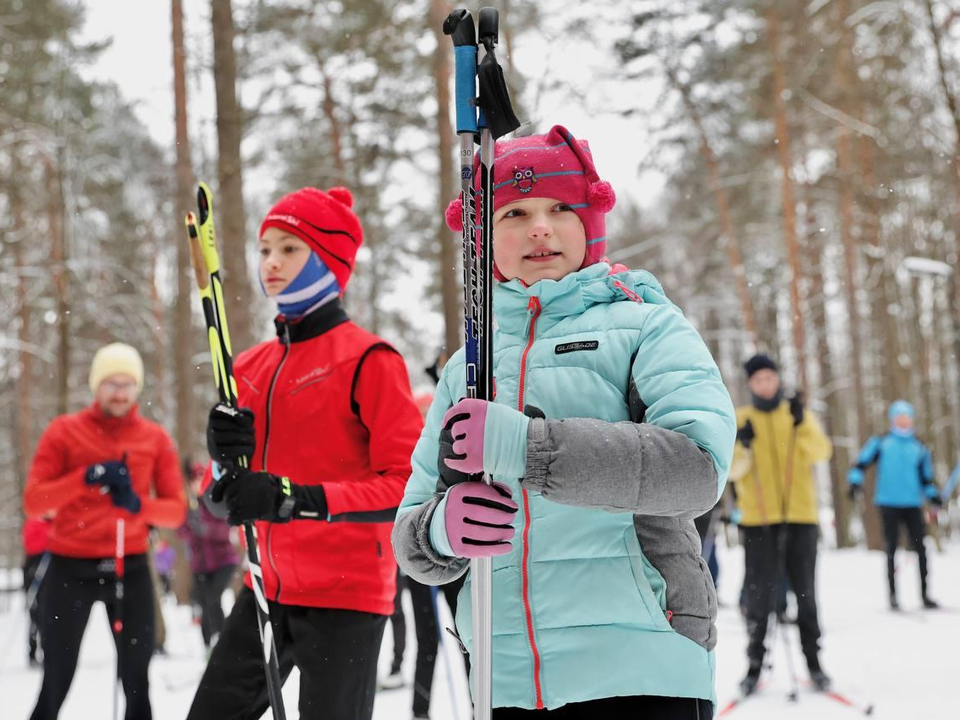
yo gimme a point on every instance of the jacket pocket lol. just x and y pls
(650, 584)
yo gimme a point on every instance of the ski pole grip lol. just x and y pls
(459, 25)
(489, 27)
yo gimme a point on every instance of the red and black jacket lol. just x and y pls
(84, 524)
(333, 407)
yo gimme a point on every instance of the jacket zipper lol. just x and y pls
(266, 438)
(533, 307)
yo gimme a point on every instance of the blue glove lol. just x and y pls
(855, 476)
(111, 474)
(124, 497)
(736, 516)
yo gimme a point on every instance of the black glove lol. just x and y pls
(110, 474)
(855, 491)
(935, 500)
(796, 409)
(230, 434)
(253, 496)
(745, 434)
(124, 497)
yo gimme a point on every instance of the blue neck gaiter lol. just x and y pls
(313, 287)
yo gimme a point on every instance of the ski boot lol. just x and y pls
(894, 605)
(748, 686)
(820, 680)
(929, 603)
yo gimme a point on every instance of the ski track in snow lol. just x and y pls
(905, 664)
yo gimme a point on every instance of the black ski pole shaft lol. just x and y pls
(206, 264)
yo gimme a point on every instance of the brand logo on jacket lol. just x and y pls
(578, 346)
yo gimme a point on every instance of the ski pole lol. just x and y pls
(206, 264)
(866, 709)
(495, 119)
(118, 613)
(445, 653)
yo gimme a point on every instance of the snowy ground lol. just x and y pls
(904, 664)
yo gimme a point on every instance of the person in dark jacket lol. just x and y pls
(213, 559)
(904, 481)
(328, 424)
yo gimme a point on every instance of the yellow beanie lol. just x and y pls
(114, 359)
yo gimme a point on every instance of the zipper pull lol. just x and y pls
(286, 335)
(533, 310)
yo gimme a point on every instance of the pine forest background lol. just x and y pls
(806, 149)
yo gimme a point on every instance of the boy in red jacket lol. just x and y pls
(328, 425)
(91, 469)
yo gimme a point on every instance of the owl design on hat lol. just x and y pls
(524, 179)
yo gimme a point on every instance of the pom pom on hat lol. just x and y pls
(601, 197)
(342, 195)
(454, 215)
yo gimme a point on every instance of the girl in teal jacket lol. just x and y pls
(610, 432)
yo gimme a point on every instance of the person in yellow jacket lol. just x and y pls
(778, 442)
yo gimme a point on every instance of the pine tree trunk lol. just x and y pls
(732, 244)
(451, 294)
(871, 232)
(845, 172)
(232, 218)
(58, 259)
(183, 370)
(24, 414)
(787, 193)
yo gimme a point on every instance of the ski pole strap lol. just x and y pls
(459, 25)
(496, 111)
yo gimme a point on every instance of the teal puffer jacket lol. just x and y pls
(579, 611)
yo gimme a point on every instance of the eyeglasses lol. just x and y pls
(114, 386)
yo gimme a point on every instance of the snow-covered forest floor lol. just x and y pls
(905, 664)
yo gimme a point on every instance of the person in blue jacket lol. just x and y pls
(610, 433)
(904, 480)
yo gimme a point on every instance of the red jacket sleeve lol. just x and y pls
(387, 410)
(50, 485)
(167, 507)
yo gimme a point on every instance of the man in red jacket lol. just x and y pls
(91, 469)
(329, 425)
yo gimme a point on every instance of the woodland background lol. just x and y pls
(805, 150)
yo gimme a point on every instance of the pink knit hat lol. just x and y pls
(555, 165)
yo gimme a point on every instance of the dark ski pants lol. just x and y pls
(336, 652)
(641, 707)
(769, 552)
(208, 590)
(912, 519)
(31, 563)
(425, 624)
(71, 587)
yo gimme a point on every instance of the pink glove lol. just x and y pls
(466, 421)
(478, 519)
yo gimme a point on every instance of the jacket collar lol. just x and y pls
(571, 295)
(109, 422)
(324, 318)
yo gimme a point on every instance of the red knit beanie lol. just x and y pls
(325, 222)
(555, 165)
